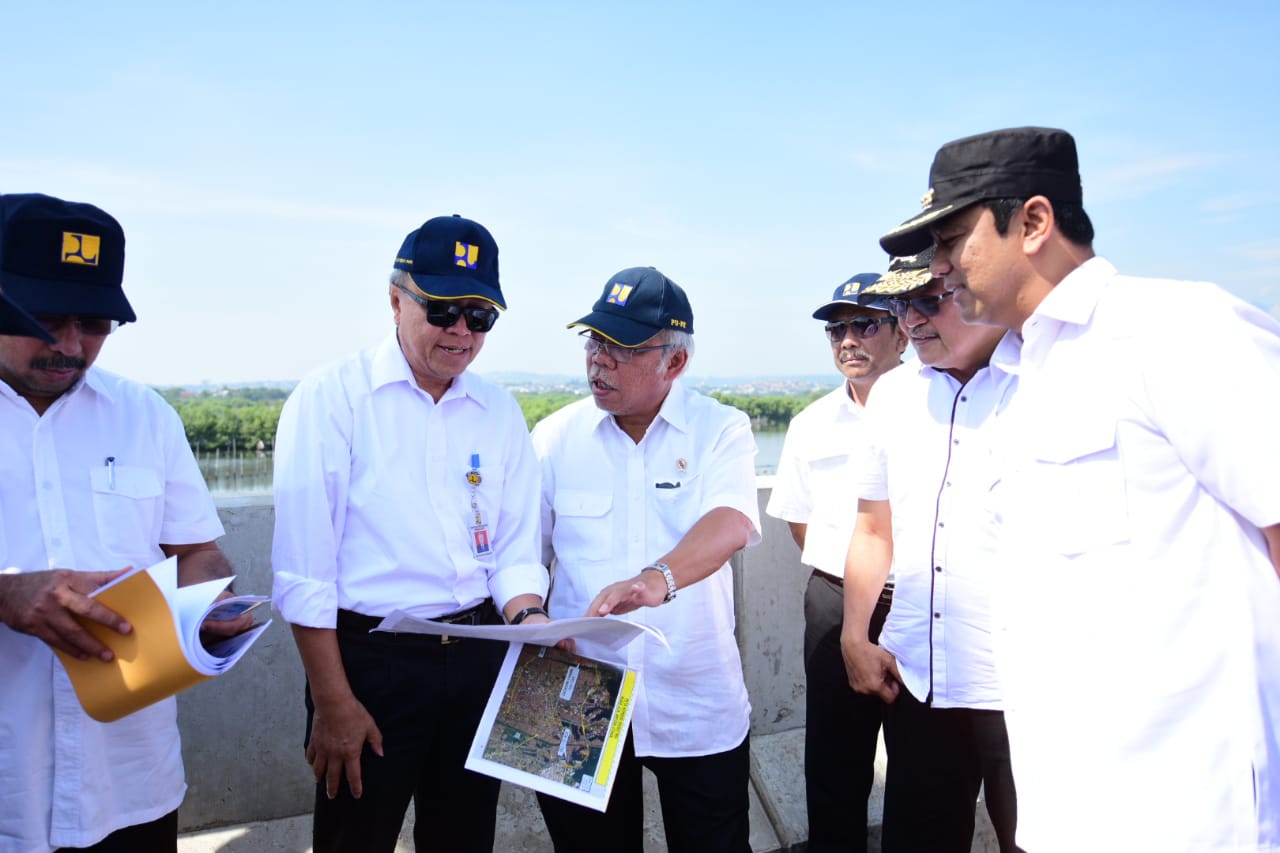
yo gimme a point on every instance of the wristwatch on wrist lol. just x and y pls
(666, 574)
(526, 613)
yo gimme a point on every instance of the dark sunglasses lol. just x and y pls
(927, 306)
(862, 327)
(91, 327)
(443, 313)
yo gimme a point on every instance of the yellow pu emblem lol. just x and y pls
(620, 294)
(81, 249)
(465, 255)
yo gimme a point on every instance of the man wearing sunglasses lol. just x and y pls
(811, 493)
(405, 482)
(95, 476)
(648, 489)
(921, 484)
(1139, 515)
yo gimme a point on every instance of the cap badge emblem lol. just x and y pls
(619, 295)
(80, 248)
(465, 255)
(926, 200)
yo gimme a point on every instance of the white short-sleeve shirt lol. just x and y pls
(372, 499)
(610, 507)
(814, 484)
(1139, 615)
(928, 452)
(67, 780)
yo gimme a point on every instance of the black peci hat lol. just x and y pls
(1016, 163)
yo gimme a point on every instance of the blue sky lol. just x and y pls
(267, 159)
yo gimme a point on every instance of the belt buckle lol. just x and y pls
(446, 640)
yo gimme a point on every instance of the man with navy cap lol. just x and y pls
(1139, 515)
(648, 489)
(95, 475)
(811, 493)
(403, 481)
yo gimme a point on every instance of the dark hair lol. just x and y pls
(1071, 219)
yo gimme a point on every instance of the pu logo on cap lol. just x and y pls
(850, 289)
(81, 248)
(465, 255)
(679, 324)
(620, 294)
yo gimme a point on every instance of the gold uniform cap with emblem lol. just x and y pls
(62, 257)
(906, 273)
(1017, 162)
(636, 304)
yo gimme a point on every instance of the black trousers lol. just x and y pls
(842, 726)
(157, 836)
(938, 759)
(704, 806)
(427, 699)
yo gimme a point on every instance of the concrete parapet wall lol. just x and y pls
(242, 732)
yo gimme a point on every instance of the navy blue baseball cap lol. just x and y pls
(62, 257)
(15, 321)
(852, 292)
(450, 257)
(637, 303)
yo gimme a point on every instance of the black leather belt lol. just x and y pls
(480, 614)
(886, 594)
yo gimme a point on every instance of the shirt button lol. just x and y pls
(937, 568)
(46, 485)
(55, 542)
(937, 616)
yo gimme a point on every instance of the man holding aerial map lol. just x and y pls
(647, 490)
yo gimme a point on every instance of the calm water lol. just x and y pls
(250, 473)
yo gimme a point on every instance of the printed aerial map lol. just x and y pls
(554, 719)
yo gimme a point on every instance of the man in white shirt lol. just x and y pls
(95, 476)
(1139, 616)
(405, 482)
(924, 474)
(648, 489)
(812, 494)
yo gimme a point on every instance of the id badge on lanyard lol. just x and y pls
(481, 546)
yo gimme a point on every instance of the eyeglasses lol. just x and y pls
(617, 352)
(443, 313)
(862, 327)
(90, 327)
(929, 306)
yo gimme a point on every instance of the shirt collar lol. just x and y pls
(1073, 299)
(672, 410)
(389, 367)
(93, 379)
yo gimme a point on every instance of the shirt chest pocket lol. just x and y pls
(830, 476)
(583, 524)
(1077, 499)
(127, 504)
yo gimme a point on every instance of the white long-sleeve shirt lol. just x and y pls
(373, 506)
